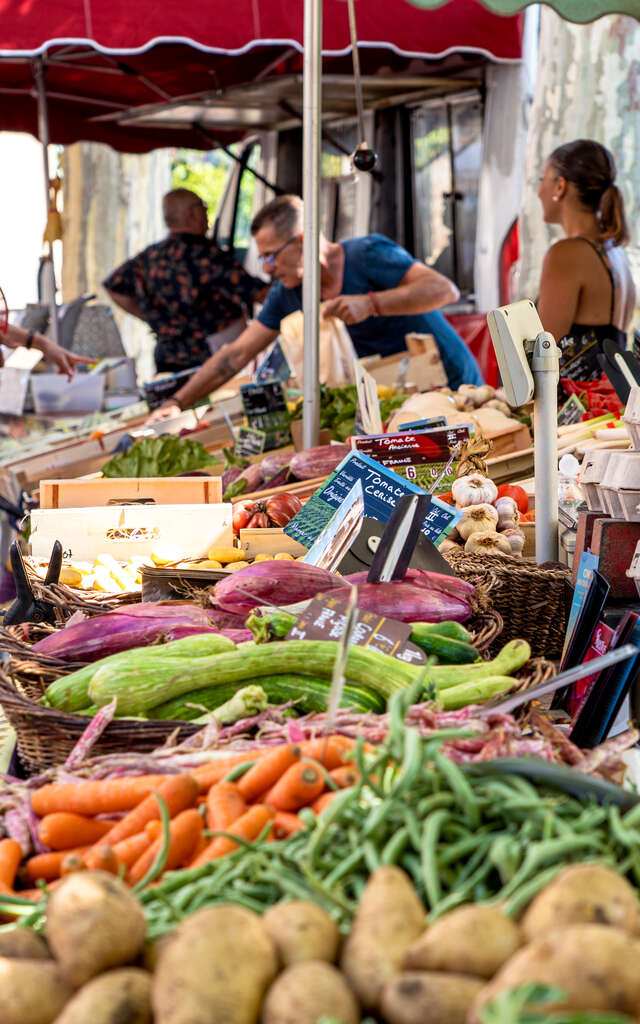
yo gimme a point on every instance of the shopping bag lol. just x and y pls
(336, 353)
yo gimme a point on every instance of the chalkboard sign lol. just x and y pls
(571, 412)
(382, 489)
(265, 407)
(249, 441)
(325, 618)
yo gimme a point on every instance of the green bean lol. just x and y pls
(521, 897)
(539, 853)
(429, 860)
(621, 832)
(371, 856)
(158, 864)
(239, 770)
(395, 846)
(461, 788)
(344, 868)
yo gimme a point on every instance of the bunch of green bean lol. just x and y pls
(461, 836)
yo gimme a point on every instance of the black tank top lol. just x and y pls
(580, 347)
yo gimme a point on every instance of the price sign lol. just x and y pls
(368, 419)
(249, 441)
(325, 617)
(266, 410)
(571, 412)
(274, 366)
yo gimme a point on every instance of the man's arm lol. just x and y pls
(228, 361)
(419, 291)
(126, 302)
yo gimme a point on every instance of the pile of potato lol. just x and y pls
(227, 965)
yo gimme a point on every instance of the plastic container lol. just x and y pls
(592, 472)
(622, 471)
(631, 417)
(54, 393)
(633, 572)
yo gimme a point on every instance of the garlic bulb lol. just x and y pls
(495, 403)
(448, 545)
(487, 544)
(516, 540)
(477, 519)
(508, 513)
(464, 403)
(474, 489)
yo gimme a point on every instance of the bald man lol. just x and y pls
(185, 287)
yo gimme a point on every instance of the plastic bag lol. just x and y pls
(336, 349)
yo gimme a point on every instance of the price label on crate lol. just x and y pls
(325, 617)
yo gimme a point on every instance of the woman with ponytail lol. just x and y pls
(586, 294)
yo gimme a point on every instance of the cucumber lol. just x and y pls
(454, 630)
(71, 692)
(310, 693)
(476, 692)
(443, 647)
(143, 686)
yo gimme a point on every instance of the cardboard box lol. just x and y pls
(425, 368)
(269, 542)
(189, 530)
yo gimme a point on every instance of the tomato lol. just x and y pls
(281, 508)
(259, 521)
(529, 517)
(242, 513)
(448, 497)
(518, 494)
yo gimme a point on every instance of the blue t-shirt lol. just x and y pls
(375, 263)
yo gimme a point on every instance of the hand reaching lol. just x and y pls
(352, 309)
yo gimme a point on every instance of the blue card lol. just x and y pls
(381, 487)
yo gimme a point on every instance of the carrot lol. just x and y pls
(46, 866)
(248, 827)
(345, 776)
(200, 848)
(105, 796)
(184, 832)
(331, 751)
(101, 858)
(225, 804)
(72, 862)
(153, 829)
(208, 774)
(128, 850)
(267, 771)
(285, 824)
(63, 831)
(298, 787)
(10, 857)
(177, 791)
(322, 802)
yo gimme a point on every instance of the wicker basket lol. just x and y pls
(67, 600)
(531, 599)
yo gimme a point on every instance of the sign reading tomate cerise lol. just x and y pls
(420, 457)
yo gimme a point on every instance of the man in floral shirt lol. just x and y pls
(185, 287)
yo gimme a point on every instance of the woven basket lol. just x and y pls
(531, 599)
(67, 600)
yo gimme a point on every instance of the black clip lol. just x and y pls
(27, 607)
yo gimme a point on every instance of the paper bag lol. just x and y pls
(336, 349)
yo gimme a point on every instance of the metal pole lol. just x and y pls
(43, 135)
(545, 370)
(311, 144)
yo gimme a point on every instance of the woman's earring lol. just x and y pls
(555, 199)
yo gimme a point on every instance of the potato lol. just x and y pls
(216, 967)
(301, 930)
(583, 894)
(473, 940)
(428, 997)
(23, 943)
(117, 997)
(31, 991)
(306, 992)
(93, 922)
(595, 965)
(389, 918)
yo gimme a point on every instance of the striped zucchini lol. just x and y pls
(71, 693)
(138, 688)
(310, 694)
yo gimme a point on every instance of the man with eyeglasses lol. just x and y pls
(187, 289)
(375, 286)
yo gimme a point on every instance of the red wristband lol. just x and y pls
(375, 302)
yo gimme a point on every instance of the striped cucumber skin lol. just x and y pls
(310, 693)
(443, 648)
(454, 630)
(143, 687)
(71, 693)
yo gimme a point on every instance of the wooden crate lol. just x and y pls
(269, 542)
(189, 530)
(104, 491)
